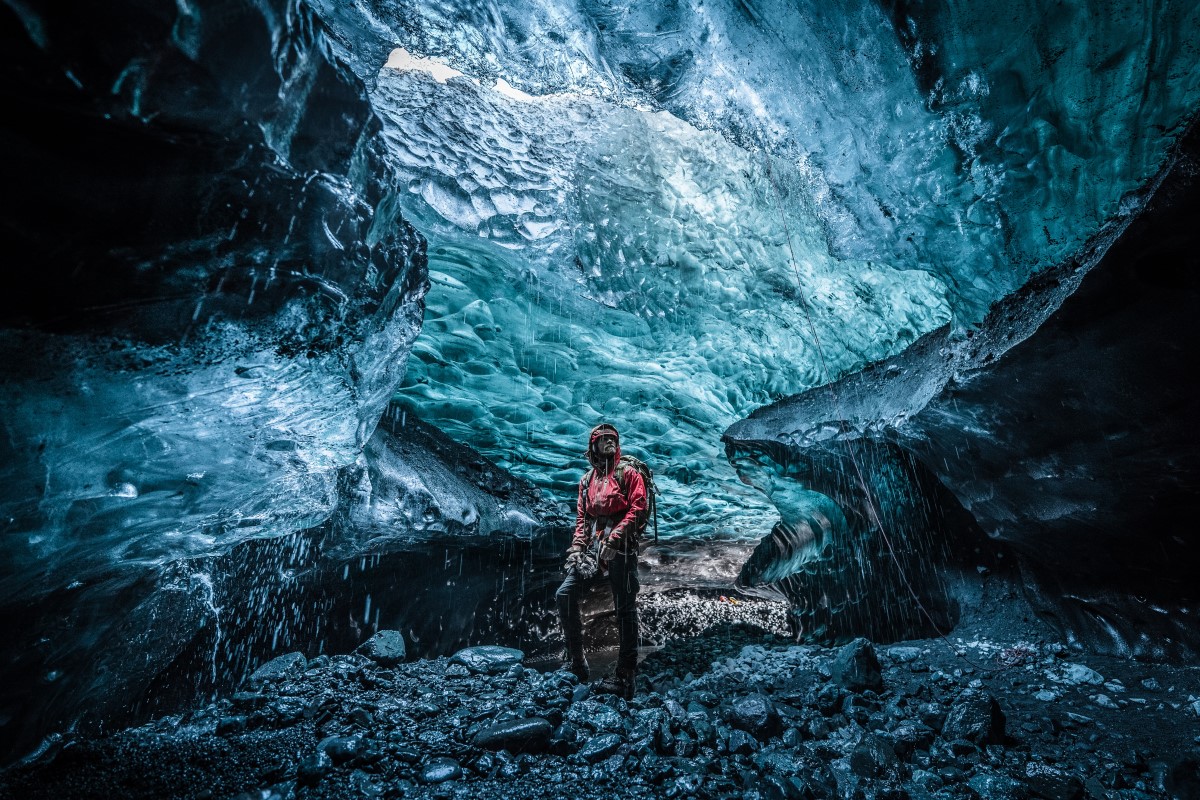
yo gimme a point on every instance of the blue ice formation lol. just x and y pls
(668, 214)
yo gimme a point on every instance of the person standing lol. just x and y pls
(610, 515)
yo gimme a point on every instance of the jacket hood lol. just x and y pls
(599, 430)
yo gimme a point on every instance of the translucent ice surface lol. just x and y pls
(668, 214)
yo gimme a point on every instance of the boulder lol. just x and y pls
(488, 659)
(756, 715)
(440, 770)
(517, 735)
(976, 717)
(385, 648)
(856, 667)
(1051, 783)
(990, 786)
(279, 667)
(600, 747)
(873, 757)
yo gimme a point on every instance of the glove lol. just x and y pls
(607, 554)
(575, 558)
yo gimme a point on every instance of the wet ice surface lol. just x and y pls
(734, 711)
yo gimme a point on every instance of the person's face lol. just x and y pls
(605, 445)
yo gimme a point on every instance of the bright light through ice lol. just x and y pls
(402, 60)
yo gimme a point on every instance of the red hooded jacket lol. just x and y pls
(608, 500)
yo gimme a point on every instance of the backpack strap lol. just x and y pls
(586, 486)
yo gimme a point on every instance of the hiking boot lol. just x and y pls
(579, 669)
(621, 683)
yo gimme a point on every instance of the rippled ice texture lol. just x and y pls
(667, 214)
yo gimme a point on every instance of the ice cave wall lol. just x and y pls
(219, 295)
(1064, 425)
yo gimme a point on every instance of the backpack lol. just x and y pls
(643, 469)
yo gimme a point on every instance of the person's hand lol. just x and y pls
(607, 554)
(574, 557)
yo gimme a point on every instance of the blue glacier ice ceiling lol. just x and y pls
(257, 228)
(670, 214)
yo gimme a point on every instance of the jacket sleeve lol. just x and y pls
(580, 539)
(635, 491)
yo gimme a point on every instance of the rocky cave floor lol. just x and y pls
(733, 711)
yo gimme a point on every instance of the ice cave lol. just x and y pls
(313, 305)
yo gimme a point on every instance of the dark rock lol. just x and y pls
(911, 736)
(341, 748)
(312, 769)
(998, 787)
(231, 725)
(600, 747)
(278, 668)
(817, 728)
(755, 714)
(409, 755)
(487, 659)
(856, 667)
(440, 770)
(976, 717)
(597, 716)
(248, 701)
(932, 715)
(740, 742)
(780, 762)
(385, 648)
(517, 735)
(361, 717)
(873, 757)
(828, 699)
(1051, 783)
(1182, 779)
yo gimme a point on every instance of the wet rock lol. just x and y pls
(248, 701)
(341, 748)
(828, 699)
(517, 735)
(1078, 674)
(278, 668)
(227, 726)
(756, 715)
(361, 717)
(1051, 783)
(873, 757)
(600, 747)
(976, 717)
(597, 716)
(487, 659)
(932, 715)
(440, 770)
(998, 787)
(904, 655)
(911, 736)
(856, 667)
(740, 742)
(312, 769)
(780, 762)
(385, 648)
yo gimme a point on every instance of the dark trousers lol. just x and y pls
(623, 579)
